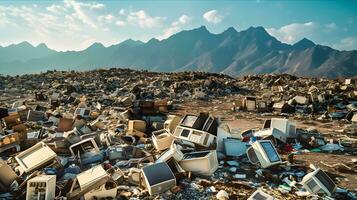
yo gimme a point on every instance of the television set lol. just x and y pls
(318, 182)
(264, 152)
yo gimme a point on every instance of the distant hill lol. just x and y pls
(252, 51)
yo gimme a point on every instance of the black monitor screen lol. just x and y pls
(326, 180)
(185, 133)
(270, 151)
(189, 121)
(158, 173)
(259, 196)
(196, 155)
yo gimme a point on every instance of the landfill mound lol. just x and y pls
(126, 134)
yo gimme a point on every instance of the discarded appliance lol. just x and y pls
(116, 152)
(83, 112)
(87, 150)
(250, 103)
(260, 195)
(12, 120)
(200, 129)
(65, 124)
(173, 152)
(162, 139)
(283, 107)
(7, 176)
(42, 187)
(223, 131)
(264, 153)
(171, 123)
(3, 113)
(138, 125)
(300, 100)
(35, 116)
(203, 162)
(158, 178)
(105, 191)
(284, 125)
(318, 182)
(234, 147)
(10, 141)
(35, 157)
(272, 132)
(87, 181)
(172, 156)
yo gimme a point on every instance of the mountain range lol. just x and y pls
(251, 51)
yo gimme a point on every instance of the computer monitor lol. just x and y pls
(203, 162)
(260, 195)
(234, 147)
(285, 126)
(162, 139)
(158, 178)
(265, 153)
(35, 157)
(318, 182)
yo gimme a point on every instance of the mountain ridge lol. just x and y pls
(250, 51)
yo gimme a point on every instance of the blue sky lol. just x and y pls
(75, 25)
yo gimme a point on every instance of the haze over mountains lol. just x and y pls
(252, 51)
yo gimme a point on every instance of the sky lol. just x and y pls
(75, 25)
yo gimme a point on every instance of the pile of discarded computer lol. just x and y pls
(94, 154)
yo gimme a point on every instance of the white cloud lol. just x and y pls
(143, 20)
(97, 6)
(80, 11)
(120, 23)
(212, 16)
(348, 43)
(176, 26)
(106, 18)
(122, 11)
(56, 9)
(293, 32)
